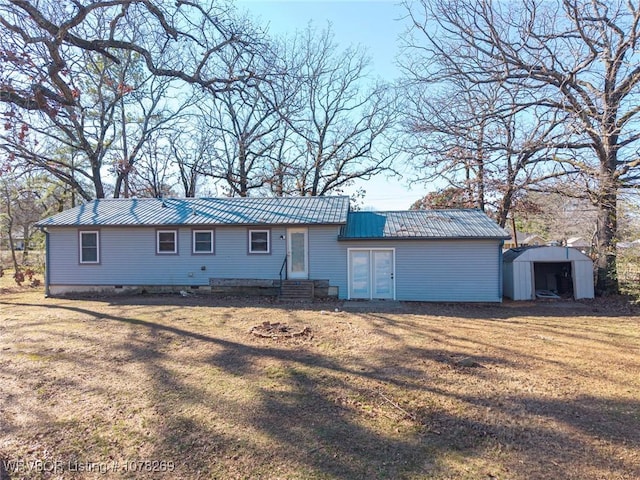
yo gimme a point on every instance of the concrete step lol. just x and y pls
(296, 290)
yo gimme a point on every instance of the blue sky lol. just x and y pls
(374, 24)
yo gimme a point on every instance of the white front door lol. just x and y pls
(297, 253)
(371, 273)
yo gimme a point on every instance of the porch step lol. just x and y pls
(296, 291)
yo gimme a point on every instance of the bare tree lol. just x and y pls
(121, 108)
(560, 216)
(582, 64)
(336, 121)
(192, 148)
(242, 126)
(450, 197)
(153, 108)
(40, 40)
(72, 67)
(477, 138)
(154, 174)
(25, 197)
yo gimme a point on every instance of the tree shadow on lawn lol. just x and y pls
(310, 414)
(597, 437)
(409, 324)
(342, 442)
(330, 439)
(314, 431)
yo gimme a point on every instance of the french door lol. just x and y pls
(371, 273)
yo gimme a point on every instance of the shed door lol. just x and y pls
(371, 274)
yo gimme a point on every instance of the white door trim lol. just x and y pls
(371, 269)
(290, 273)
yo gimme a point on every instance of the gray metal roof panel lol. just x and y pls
(513, 253)
(421, 224)
(205, 211)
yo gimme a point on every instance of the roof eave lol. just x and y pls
(348, 239)
(182, 224)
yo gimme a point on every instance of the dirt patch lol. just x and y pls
(277, 331)
(178, 386)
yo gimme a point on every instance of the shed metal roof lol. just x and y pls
(421, 224)
(544, 254)
(205, 211)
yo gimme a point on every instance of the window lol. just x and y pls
(166, 241)
(89, 247)
(259, 241)
(203, 241)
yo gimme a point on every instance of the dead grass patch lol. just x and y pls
(378, 391)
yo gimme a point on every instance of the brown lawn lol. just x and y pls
(129, 385)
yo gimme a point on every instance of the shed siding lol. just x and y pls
(522, 278)
(442, 270)
(583, 279)
(522, 263)
(507, 273)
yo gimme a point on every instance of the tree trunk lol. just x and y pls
(505, 208)
(192, 183)
(122, 181)
(480, 180)
(118, 186)
(606, 266)
(97, 178)
(14, 258)
(279, 179)
(12, 247)
(26, 235)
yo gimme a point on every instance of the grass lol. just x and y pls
(377, 391)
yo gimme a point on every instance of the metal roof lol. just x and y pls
(543, 253)
(513, 253)
(205, 211)
(421, 224)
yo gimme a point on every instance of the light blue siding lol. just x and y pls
(431, 270)
(328, 257)
(128, 257)
(443, 270)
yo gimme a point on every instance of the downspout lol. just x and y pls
(46, 261)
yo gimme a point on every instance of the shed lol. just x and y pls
(564, 271)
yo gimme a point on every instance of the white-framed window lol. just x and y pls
(259, 241)
(203, 241)
(166, 242)
(90, 247)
